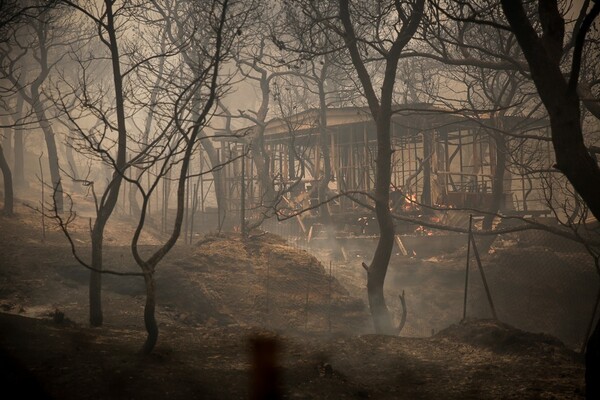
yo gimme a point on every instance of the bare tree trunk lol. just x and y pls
(560, 97)
(149, 314)
(40, 113)
(149, 266)
(19, 159)
(592, 365)
(381, 111)
(324, 144)
(260, 155)
(378, 269)
(109, 200)
(8, 184)
(7, 142)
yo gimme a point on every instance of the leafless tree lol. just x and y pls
(7, 209)
(543, 49)
(189, 122)
(105, 22)
(375, 32)
(36, 43)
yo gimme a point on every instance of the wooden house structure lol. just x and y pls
(440, 158)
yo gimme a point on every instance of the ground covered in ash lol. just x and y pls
(214, 297)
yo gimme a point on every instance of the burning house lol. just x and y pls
(441, 160)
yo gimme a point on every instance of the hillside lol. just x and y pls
(214, 297)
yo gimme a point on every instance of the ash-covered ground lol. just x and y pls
(220, 292)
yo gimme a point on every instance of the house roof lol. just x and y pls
(418, 116)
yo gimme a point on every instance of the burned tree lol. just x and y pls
(7, 209)
(405, 19)
(366, 40)
(34, 43)
(544, 53)
(101, 145)
(183, 132)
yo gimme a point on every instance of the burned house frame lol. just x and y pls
(441, 159)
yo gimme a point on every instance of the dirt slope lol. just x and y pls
(213, 298)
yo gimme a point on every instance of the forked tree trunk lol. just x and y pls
(381, 111)
(149, 266)
(106, 208)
